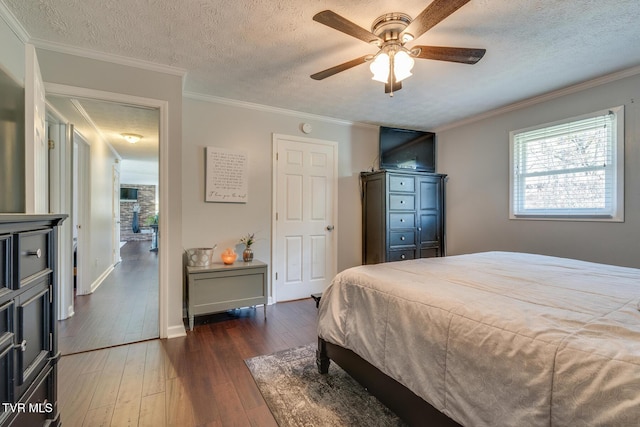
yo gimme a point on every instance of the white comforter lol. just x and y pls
(498, 338)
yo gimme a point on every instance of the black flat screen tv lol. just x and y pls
(407, 149)
(128, 194)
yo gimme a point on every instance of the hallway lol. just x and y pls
(124, 308)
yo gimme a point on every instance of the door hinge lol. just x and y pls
(52, 144)
(276, 275)
(50, 294)
(50, 341)
(276, 216)
(276, 157)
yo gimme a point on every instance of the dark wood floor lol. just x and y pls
(123, 309)
(197, 380)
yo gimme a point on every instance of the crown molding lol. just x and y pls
(108, 57)
(619, 75)
(78, 105)
(13, 23)
(270, 109)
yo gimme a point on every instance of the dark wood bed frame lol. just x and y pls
(406, 404)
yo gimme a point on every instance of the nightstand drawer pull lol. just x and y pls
(402, 238)
(403, 256)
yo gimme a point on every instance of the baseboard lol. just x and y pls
(176, 331)
(101, 278)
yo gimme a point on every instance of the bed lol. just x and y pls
(490, 339)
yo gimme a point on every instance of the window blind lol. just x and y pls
(566, 169)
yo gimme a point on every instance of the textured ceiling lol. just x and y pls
(263, 51)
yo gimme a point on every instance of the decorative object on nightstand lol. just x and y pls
(248, 240)
(229, 256)
(200, 257)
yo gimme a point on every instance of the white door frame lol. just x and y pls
(81, 206)
(163, 107)
(60, 170)
(274, 203)
(115, 213)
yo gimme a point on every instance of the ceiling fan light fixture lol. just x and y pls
(380, 68)
(131, 138)
(402, 65)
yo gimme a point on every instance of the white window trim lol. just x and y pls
(618, 161)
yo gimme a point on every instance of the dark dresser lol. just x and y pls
(402, 215)
(28, 320)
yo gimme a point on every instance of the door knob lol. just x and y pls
(330, 227)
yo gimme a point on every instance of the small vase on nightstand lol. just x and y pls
(247, 254)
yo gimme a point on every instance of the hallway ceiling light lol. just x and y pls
(131, 138)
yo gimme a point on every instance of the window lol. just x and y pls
(570, 169)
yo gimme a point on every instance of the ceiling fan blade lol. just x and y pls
(338, 68)
(452, 54)
(433, 14)
(337, 22)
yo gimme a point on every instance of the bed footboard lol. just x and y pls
(402, 401)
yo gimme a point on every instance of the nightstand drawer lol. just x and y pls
(401, 255)
(402, 183)
(402, 202)
(402, 220)
(402, 238)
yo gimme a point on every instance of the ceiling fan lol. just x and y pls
(390, 32)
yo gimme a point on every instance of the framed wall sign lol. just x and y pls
(226, 175)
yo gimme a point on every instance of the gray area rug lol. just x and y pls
(298, 395)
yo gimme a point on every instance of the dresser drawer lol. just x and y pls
(402, 238)
(5, 264)
(32, 334)
(402, 183)
(402, 220)
(402, 202)
(402, 255)
(33, 256)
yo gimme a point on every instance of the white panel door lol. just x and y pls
(305, 243)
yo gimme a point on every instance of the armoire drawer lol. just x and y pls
(402, 255)
(33, 256)
(402, 238)
(399, 183)
(402, 220)
(402, 202)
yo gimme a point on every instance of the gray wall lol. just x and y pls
(99, 75)
(476, 157)
(208, 123)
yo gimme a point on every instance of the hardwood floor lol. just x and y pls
(197, 380)
(123, 309)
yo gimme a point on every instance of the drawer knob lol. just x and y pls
(37, 253)
(22, 346)
(401, 237)
(402, 202)
(401, 219)
(401, 182)
(402, 256)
